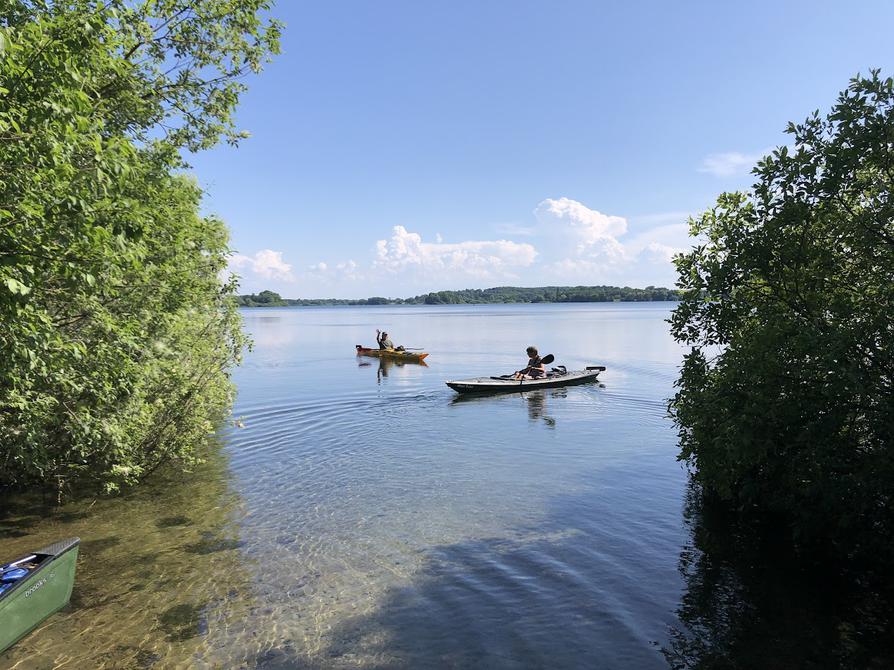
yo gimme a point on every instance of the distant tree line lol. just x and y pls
(497, 295)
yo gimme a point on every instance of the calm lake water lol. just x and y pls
(366, 516)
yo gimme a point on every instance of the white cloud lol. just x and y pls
(588, 246)
(266, 263)
(574, 245)
(588, 226)
(606, 250)
(481, 259)
(648, 266)
(573, 229)
(655, 251)
(729, 164)
(674, 236)
(348, 270)
(329, 273)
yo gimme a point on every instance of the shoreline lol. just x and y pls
(456, 304)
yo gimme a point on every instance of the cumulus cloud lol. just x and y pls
(674, 237)
(659, 252)
(589, 226)
(348, 270)
(266, 263)
(575, 244)
(481, 259)
(572, 229)
(729, 164)
(589, 246)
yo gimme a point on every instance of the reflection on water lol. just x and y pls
(368, 517)
(751, 603)
(386, 364)
(537, 405)
(534, 401)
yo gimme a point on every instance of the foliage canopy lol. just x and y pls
(116, 330)
(785, 402)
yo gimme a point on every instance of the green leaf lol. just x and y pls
(16, 287)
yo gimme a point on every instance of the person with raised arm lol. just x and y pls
(385, 342)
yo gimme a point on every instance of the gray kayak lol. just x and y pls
(553, 379)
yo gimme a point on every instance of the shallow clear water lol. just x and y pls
(365, 516)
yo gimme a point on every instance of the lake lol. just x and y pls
(367, 516)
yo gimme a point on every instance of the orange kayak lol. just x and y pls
(392, 353)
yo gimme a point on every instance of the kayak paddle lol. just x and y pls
(546, 360)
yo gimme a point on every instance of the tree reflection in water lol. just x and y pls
(751, 603)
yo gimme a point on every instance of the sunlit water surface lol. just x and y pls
(365, 516)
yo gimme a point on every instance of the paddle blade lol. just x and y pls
(546, 360)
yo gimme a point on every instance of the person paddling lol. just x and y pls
(384, 341)
(535, 367)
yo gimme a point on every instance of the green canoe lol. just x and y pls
(33, 587)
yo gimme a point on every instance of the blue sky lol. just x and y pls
(402, 147)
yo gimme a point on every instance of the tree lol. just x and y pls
(266, 297)
(117, 333)
(785, 403)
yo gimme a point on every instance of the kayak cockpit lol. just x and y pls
(13, 573)
(34, 586)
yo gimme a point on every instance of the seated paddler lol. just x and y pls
(534, 368)
(385, 342)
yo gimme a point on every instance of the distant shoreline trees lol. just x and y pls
(497, 295)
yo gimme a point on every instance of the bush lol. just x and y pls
(116, 330)
(785, 402)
